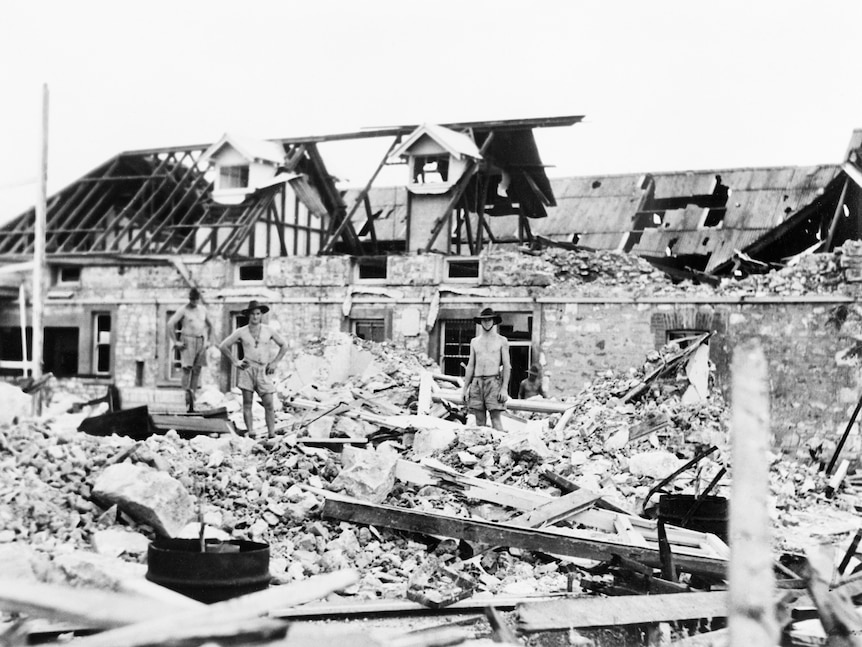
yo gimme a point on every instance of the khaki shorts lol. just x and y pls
(194, 355)
(484, 392)
(254, 378)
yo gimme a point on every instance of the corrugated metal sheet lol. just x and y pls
(602, 209)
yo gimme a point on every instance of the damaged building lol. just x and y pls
(412, 264)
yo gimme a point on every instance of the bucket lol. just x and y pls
(709, 514)
(225, 570)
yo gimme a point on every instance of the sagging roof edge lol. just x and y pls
(788, 225)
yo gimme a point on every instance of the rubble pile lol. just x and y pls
(602, 272)
(273, 489)
(594, 269)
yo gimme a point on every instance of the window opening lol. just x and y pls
(68, 275)
(11, 350)
(251, 272)
(101, 342)
(456, 334)
(462, 269)
(371, 267)
(429, 169)
(175, 364)
(370, 329)
(233, 177)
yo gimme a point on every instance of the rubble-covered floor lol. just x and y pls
(60, 523)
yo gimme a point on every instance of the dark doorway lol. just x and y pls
(60, 351)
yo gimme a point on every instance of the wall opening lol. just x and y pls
(60, 351)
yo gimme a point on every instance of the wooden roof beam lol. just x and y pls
(144, 186)
(165, 202)
(133, 220)
(363, 195)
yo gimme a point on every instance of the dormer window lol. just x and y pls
(233, 177)
(429, 169)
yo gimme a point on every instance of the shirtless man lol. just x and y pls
(484, 387)
(533, 384)
(256, 367)
(194, 338)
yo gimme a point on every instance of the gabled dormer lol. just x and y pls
(241, 166)
(436, 156)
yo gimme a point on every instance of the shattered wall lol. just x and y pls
(591, 312)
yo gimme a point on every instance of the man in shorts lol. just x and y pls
(196, 333)
(257, 364)
(486, 386)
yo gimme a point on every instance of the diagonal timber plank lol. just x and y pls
(571, 543)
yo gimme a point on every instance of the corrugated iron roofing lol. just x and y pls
(602, 209)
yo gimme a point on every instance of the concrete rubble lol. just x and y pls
(76, 508)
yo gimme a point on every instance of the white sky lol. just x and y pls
(664, 84)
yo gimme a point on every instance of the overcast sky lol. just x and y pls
(664, 85)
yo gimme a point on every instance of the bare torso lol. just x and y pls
(489, 353)
(255, 343)
(194, 321)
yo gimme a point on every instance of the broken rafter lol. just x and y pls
(134, 221)
(345, 223)
(54, 231)
(117, 218)
(157, 215)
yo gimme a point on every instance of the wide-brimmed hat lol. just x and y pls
(488, 313)
(535, 369)
(255, 305)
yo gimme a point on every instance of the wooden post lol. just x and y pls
(26, 367)
(752, 598)
(39, 250)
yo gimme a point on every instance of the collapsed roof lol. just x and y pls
(152, 203)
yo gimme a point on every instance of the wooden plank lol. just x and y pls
(556, 542)
(220, 618)
(614, 611)
(190, 424)
(102, 609)
(557, 509)
(347, 607)
(470, 486)
(535, 406)
(335, 444)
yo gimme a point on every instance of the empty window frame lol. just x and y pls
(174, 366)
(250, 272)
(369, 329)
(455, 336)
(683, 336)
(101, 343)
(430, 169)
(68, 275)
(371, 268)
(12, 345)
(233, 177)
(462, 269)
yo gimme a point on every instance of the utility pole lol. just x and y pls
(39, 248)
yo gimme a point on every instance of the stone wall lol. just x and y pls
(585, 322)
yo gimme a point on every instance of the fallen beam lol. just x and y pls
(564, 542)
(190, 424)
(536, 406)
(581, 613)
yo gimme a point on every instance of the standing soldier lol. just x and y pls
(197, 331)
(486, 382)
(257, 364)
